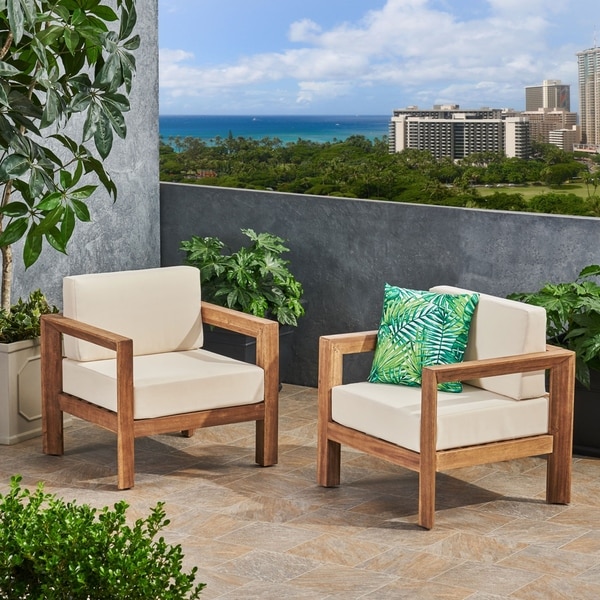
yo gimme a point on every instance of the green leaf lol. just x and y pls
(71, 38)
(50, 202)
(16, 19)
(81, 210)
(32, 247)
(49, 221)
(37, 181)
(91, 122)
(14, 231)
(55, 239)
(65, 179)
(92, 164)
(83, 192)
(51, 110)
(103, 137)
(119, 101)
(8, 70)
(49, 36)
(81, 102)
(67, 226)
(128, 21)
(13, 166)
(15, 209)
(104, 12)
(116, 119)
(133, 43)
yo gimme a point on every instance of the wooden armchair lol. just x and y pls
(503, 412)
(126, 355)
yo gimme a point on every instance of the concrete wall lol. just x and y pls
(343, 251)
(124, 234)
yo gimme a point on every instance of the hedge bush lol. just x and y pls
(56, 550)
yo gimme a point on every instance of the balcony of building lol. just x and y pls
(272, 533)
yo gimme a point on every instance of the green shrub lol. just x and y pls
(559, 204)
(255, 279)
(56, 550)
(572, 317)
(23, 320)
(502, 201)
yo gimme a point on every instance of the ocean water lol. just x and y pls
(288, 128)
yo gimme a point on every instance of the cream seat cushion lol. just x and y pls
(169, 383)
(474, 416)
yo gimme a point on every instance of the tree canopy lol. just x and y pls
(361, 168)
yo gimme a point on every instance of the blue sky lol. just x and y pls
(227, 57)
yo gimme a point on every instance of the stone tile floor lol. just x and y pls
(273, 533)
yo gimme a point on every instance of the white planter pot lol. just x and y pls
(20, 391)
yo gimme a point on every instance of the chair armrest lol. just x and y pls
(266, 332)
(53, 327)
(332, 349)
(234, 320)
(89, 333)
(504, 365)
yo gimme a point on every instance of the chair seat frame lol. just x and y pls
(55, 401)
(556, 444)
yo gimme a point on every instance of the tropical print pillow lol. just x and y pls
(419, 329)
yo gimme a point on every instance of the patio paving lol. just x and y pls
(272, 533)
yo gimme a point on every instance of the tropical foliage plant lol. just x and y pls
(60, 550)
(255, 279)
(63, 71)
(573, 317)
(22, 322)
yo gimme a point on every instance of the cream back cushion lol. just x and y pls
(158, 308)
(502, 327)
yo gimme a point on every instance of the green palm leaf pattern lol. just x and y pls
(418, 329)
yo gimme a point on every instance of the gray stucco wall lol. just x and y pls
(125, 234)
(343, 251)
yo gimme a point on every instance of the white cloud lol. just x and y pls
(407, 43)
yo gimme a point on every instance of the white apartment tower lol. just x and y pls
(448, 131)
(588, 62)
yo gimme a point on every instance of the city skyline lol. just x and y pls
(365, 56)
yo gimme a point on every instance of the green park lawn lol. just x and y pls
(528, 191)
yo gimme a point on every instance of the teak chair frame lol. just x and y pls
(55, 401)
(556, 444)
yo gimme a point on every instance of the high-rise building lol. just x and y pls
(551, 94)
(588, 62)
(449, 131)
(545, 120)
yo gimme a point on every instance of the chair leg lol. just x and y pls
(267, 429)
(188, 433)
(266, 442)
(329, 459)
(51, 371)
(427, 475)
(52, 429)
(559, 465)
(125, 458)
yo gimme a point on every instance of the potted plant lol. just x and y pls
(20, 410)
(573, 322)
(254, 279)
(54, 549)
(65, 69)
